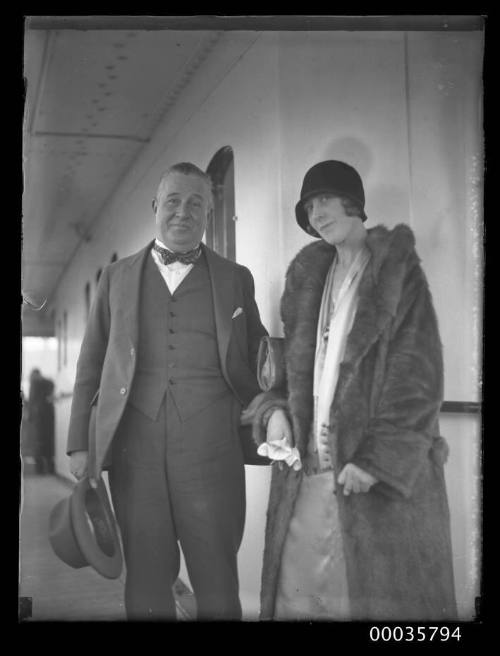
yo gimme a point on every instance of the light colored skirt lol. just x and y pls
(312, 583)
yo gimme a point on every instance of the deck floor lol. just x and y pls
(58, 592)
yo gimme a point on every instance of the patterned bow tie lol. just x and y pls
(186, 258)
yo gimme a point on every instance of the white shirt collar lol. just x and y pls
(160, 243)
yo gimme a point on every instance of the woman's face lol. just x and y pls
(328, 217)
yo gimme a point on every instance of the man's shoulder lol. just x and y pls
(127, 261)
(230, 265)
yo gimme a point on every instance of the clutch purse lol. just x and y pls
(271, 372)
(249, 448)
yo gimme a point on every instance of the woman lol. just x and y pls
(358, 520)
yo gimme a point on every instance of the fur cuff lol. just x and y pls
(259, 420)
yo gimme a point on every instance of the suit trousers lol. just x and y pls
(172, 482)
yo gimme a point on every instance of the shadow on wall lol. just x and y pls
(386, 204)
(353, 152)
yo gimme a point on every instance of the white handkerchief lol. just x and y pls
(281, 450)
(237, 312)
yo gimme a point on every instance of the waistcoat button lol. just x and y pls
(123, 391)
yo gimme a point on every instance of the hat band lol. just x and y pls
(333, 192)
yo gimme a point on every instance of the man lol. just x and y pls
(171, 346)
(358, 520)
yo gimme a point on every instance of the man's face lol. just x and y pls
(328, 217)
(181, 211)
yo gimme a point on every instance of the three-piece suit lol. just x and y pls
(172, 372)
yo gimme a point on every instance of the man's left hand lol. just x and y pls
(354, 479)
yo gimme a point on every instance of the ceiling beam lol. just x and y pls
(33, 103)
(399, 22)
(90, 135)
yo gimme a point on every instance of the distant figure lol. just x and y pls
(25, 428)
(41, 422)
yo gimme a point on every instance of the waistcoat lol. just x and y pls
(177, 345)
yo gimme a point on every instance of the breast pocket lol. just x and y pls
(239, 334)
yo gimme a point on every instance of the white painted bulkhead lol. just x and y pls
(403, 108)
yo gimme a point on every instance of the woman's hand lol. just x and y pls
(354, 479)
(278, 427)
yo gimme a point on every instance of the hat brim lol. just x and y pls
(301, 214)
(95, 528)
(83, 530)
(62, 537)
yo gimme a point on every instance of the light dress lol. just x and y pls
(312, 581)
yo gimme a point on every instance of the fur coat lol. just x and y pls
(385, 415)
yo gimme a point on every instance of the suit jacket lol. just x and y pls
(106, 365)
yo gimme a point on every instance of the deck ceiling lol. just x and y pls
(93, 100)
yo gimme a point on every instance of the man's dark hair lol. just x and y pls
(186, 168)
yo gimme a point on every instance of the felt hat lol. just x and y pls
(332, 177)
(83, 530)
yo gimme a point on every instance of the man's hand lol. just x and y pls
(355, 479)
(248, 413)
(278, 427)
(78, 463)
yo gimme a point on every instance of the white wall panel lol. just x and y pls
(446, 164)
(342, 96)
(444, 89)
(463, 481)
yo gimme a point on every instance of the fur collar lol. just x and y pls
(393, 256)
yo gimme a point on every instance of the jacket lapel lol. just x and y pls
(379, 296)
(379, 289)
(221, 274)
(300, 306)
(130, 290)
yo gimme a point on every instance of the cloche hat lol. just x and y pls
(334, 177)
